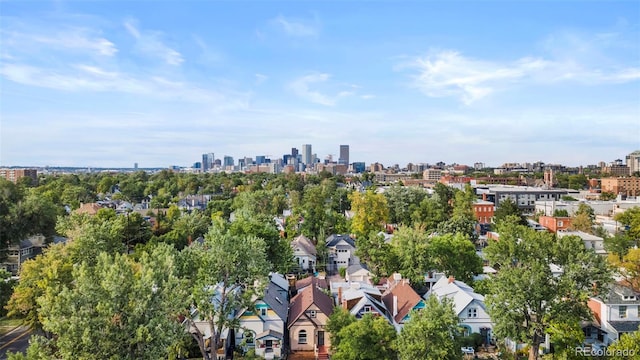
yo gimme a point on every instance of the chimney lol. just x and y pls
(395, 305)
(291, 279)
(451, 279)
(484, 197)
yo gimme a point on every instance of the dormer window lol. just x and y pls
(312, 313)
(263, 312)
(629, 298)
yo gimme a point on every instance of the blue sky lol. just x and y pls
(107, 84)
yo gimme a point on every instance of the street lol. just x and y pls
(15, 341)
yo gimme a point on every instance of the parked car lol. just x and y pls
(468, 350)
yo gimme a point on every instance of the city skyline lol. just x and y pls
(110, 85)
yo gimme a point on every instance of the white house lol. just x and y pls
(468, 305)
(305, 253)
(614, 314)
(590, 241)
(360, 299)
(358, 273)
(342, 250)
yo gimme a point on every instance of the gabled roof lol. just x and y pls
(335, 239)
(460, 293)
(407, 299)
(308, 296)
(304, 244)
(276, 298)
(306, 282)
(353, 269)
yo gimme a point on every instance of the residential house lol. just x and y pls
(555, 223)
(304, 252)
(468, 305)
(401, 299)
(615, 313)
(16, 254)
(596, 243)
(342, 250)
(88, 208)
(227, 337)
(358, 273)
(262, 328)
(309, 313)
(360, 299)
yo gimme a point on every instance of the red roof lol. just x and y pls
(309, 296)
(407, 299)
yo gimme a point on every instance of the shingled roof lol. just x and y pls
(305, 298)
(407, 300)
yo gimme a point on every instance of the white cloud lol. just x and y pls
(297, 27)
(82, 78)
(260, 78)
(78, 39)
(150, 43)
(302, 88)
(448, 73)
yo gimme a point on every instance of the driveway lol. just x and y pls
(17, 340)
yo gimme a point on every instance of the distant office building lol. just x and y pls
(633, 162)
(14, 175)
(207, 161)
(307, 156)
(197, 165)
(135, 166)
(294, 153)
(228, 161)
(432, 174)
(478, 166)
(358, 167)
(344, 155)
(260, 159)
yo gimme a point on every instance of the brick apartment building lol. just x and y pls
(629, 186)
(14, 175)
(555, 223)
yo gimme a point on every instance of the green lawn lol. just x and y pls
(7, 325)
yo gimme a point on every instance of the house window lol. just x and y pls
(367, 308)
(560, 223)
(302, 337)
(312, 313)
(622, 312)
(472, 312)
(263, 311)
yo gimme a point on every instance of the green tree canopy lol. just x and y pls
(526, 298)
(431, 334)
(370, 213)
(366, 339)
(224, 274)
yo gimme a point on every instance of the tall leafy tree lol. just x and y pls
(224, 274)
(402, 202)
(370, 213)
(429, 213)
(118, 308)
(525, 298)
(454, 255)
(377, 254)
(583, 219)
(431, 334)
(365, 339)
(339, 319)
(508, 208)
(410, 244)
(627, 347)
